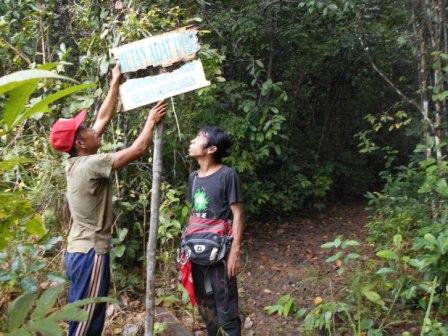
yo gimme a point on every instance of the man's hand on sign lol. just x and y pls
(158, 111)
(116, 74)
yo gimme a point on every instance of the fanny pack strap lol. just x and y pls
(194, 186)
(207, 282)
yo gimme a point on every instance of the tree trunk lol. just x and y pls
(435, 27)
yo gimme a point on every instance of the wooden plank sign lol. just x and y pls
(142, 91)
(161, 50)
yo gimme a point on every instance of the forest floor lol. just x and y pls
(284, 257)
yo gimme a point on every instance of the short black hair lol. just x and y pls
(73, 151)
(218, 138)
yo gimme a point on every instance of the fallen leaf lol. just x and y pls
(317, 300)
(119, 5)
(44, 285)
(248, 323)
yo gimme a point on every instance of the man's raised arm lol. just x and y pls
(141, 144)
(106, 110)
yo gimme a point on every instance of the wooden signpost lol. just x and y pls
(162, 50)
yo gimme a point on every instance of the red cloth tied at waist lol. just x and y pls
(187, 281)
(202, 225)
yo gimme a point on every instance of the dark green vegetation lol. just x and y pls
(326, 100)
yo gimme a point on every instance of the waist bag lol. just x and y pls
(204, 249)
(205, 241)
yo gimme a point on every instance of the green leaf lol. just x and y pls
(442, 187)
(417, 263)
(287, 308)
(119, 250)
(372, 296)
(397, 240)
(301, 312)
(45, 327)
(11, 81)
(337, 242)
(35, 226)
(387, 254)
(352, 256)
(69, 313)
(441, 96)
(56, 277)
(327, 245)
(185, 211)
(348, 243)
(284, 299)
(46, 302)
(334, 257)
(19, 310)
(122, 234)
(430, 238)
(385, 270)
(48, 66)
(84, 302)
(29, 285)
(42, 105)
(12, 163)
(274, 309)
(18, 98)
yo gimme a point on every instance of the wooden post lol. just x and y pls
(151, 247)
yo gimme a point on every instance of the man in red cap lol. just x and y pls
(89, 195)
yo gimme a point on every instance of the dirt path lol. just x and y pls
(286, 257)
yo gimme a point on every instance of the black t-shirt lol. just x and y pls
(212, 195)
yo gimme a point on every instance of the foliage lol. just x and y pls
(24, 265)
(380, 290)
(44, 319)
(283, 307)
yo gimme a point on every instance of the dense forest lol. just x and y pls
(329, 103)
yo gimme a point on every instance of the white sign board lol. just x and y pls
(165, 49)
(142, 91)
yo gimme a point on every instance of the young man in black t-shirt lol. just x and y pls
(215, 193)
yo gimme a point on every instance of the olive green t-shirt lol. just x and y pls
(89, 195)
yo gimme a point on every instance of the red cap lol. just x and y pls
(63, 132)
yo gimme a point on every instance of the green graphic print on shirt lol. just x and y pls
(200, 200)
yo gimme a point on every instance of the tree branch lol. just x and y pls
(18, 52)
(388, 81)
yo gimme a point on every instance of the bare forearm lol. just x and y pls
(107, 108)
(233, 263)
(141, 144)
(237, 231)
(143, 141)
(137, 149)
